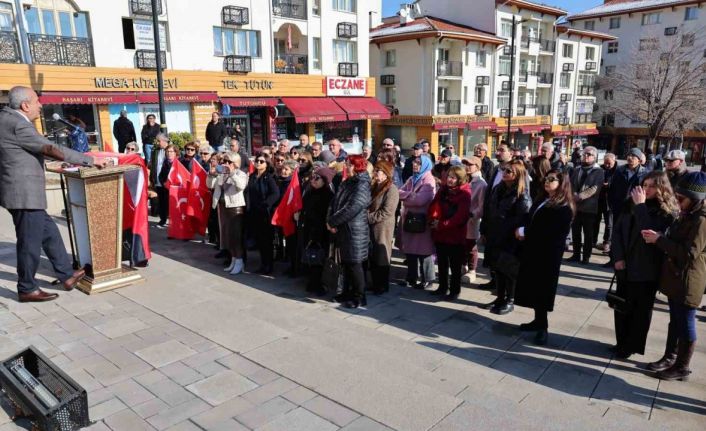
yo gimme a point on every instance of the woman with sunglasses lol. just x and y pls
(637, 264)
(508, 204)
(131, 148)
(263, 195)
(229, 200)
(189, 155)
(543, 235)
(318, 194)
(683, 275)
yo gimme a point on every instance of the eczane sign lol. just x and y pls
(339, 86)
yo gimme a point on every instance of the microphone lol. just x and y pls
(58, 118)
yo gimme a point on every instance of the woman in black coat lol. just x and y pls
(509, 203)
(216, 131)
(262, 196)
(638, 264)
(348, 220)
(312, 221)
(543, 236)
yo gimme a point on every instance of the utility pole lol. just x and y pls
(512, 76)
(158, 61)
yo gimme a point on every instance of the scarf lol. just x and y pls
(426, 167)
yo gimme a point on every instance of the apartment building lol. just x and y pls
(277, 68)
(641, 25)
(461, 72)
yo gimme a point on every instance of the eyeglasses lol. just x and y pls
(260, 161)
(205, 153)
(279, 160)
(550, 179)
(588, 155)
(191, 150)
(389, 145)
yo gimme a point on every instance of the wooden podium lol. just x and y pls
(95, 203)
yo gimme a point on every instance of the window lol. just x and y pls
(608, 94)
(316, 7)
(587, 79)
(390, 58)
(390, 95)
(316, 55)
(53, 22)
(480, 95)
(567, 50)
(504, 65)
(465, 95)
(670, 31)
(345, 51)
(651, 18)
(648, 44)
(505, 28)
(614, 23)
(691, 13)
(227, 41)
(687, 39)
(503, 99)
(590, 53)
(608, 120)
(612, 47)
(563, 110)
(609, 70)
(564, 80)
(589, 25)
(481, 58)
(6, 17)
(344, 5)
(584, 106)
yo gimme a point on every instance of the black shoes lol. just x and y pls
(439, 292)
(492, 304)
(529, 327)
(574, 258)
(503, 308)
(355, 303)
(451, 297)
(541, 337)
(220, 254)
(585, 262)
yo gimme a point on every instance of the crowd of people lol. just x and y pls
(525, 210)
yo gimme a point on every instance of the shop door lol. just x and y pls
(242, 120)
(133, 114)
(178, 116)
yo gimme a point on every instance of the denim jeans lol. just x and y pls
(683, 318)
(414, 261)
(148, 153)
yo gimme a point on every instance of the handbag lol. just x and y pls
(332, 269)
(506, 263)
(615, 301)
(415, 223)
(314, 254)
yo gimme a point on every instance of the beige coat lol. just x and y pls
(381, 217)
(231, 187)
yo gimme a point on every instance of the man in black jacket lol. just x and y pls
(148, 135)
(407, 170)
(554, 158)
(626, 177)
(609, 166)
(124, 131)
(587, 182)
(487, 165)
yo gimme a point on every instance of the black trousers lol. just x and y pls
(631, 328)
(291, 247)
(541, 318)
(505, 286)
(586, 223)
(450, 257)
(214, 229)
(36, 231)
(264, 237)
(607, 216)
(381, 277)
(355, 280)
(162, 204)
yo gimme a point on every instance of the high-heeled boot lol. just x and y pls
(680, 370)
(670, 352)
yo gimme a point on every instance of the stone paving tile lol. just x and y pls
(222, 413)
(265, 413)
(165, 353)
(210, 368)
(181, 374)
(178, 414)
(299, 395)
(263, 376)
(270, 390)
(240, 364)
(184, 426)
(331, 411)
(150, 408)
(169, 392)
(131, 393)
(106, 409)
(228, 425)
(119, 327)
(127, 420)
(206, 357)
(364, 423)
(221, 387)
(299, 420)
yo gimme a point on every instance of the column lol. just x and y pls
(106, 129)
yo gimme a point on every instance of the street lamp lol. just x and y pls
(158, 60)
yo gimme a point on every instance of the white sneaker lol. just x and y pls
(237, 267)
(231, 266)
(469, 277)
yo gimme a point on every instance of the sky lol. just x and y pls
(390, 7)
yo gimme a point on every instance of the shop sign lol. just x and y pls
(339, 86)
(250, 84)
(402, 120)
(137, 83)
(144, 35)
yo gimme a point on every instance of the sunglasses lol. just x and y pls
(259, 161)
(508, 171)
(131, 149)
(587, 155)
(550, 179)
(279, 160)
(191, 150)
(225, 162)
(205, 153)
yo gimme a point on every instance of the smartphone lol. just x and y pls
(219, 169)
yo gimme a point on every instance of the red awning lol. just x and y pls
(363, 108)
(246, 102)
(446, 126)
(177, 97)
(96, 98)
(562, 133)
(482, 125)
(314, 109)
(584, 132)
(533, 129)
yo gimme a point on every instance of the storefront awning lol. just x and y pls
(314, 109)
(177, 97)
(453, 125)
(78, 98)
(482, 125)
(534, 129)
(247, 102)
(584, 132)
(363, 108)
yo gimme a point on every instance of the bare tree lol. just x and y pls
(662, 87)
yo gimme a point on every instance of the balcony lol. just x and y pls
(387, 79)
(586, 90)
(60, 50)
(481, 110)
(449, 68)
(590, 65)
(292, 63)
(525, 41)
(9, 48)
(237, 63)
(521, 110)
(147, 59)
(449, 107)
(234, 15)
(289, 8)
(545, 78)
(544, 110)
(547, 45)
(348, 69)
(523, 76)
(144, 7)
(563, 121)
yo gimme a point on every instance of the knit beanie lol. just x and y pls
(386, 167)
(693, 186)
(327, 156)
(326, 173)
(635, 152)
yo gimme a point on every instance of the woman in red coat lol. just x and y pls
(448, 215)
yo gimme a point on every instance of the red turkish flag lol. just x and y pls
(178, 175)
(291, 203)
(179, 222)
(199, 201)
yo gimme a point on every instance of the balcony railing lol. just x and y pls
(147, 59)
(347, 29)
(348, 69)
(586, 90)
(289, 8)
(291, 63)
(387, 79)
(235, 15)
(237, 63)
(449, 107)
(521, 110)
(9, 48)
(523, 76)
(481, 110)
(563, 121)
(525, 41)
(547, 45)
(544, 110)
(449, 68)
(144, 7)
(60, 50)
(545, 78)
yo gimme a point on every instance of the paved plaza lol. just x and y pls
(195, 349)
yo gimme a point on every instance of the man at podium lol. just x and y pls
(22, 193)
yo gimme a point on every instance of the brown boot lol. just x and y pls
(680, 370)
(670, 353)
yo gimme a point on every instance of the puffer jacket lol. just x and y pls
(684, 269)
(452, 208)
(231, 187)
(504, 213)
(348, 213)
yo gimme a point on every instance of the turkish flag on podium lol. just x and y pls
(290, 204)
(178, 182)
(199, 200)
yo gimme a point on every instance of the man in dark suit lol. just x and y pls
(124, 131)
(22, 193)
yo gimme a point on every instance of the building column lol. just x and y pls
(434, 142)
(459, 147)
(311, 131)
(368, 132)
(106, 128)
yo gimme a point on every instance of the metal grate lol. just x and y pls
(347, 29)
(144, 7)
(147, 59)
(387, 80)
(237, 64)
(348, 69)
(289, 8)
(9, 48)
(235, 15)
